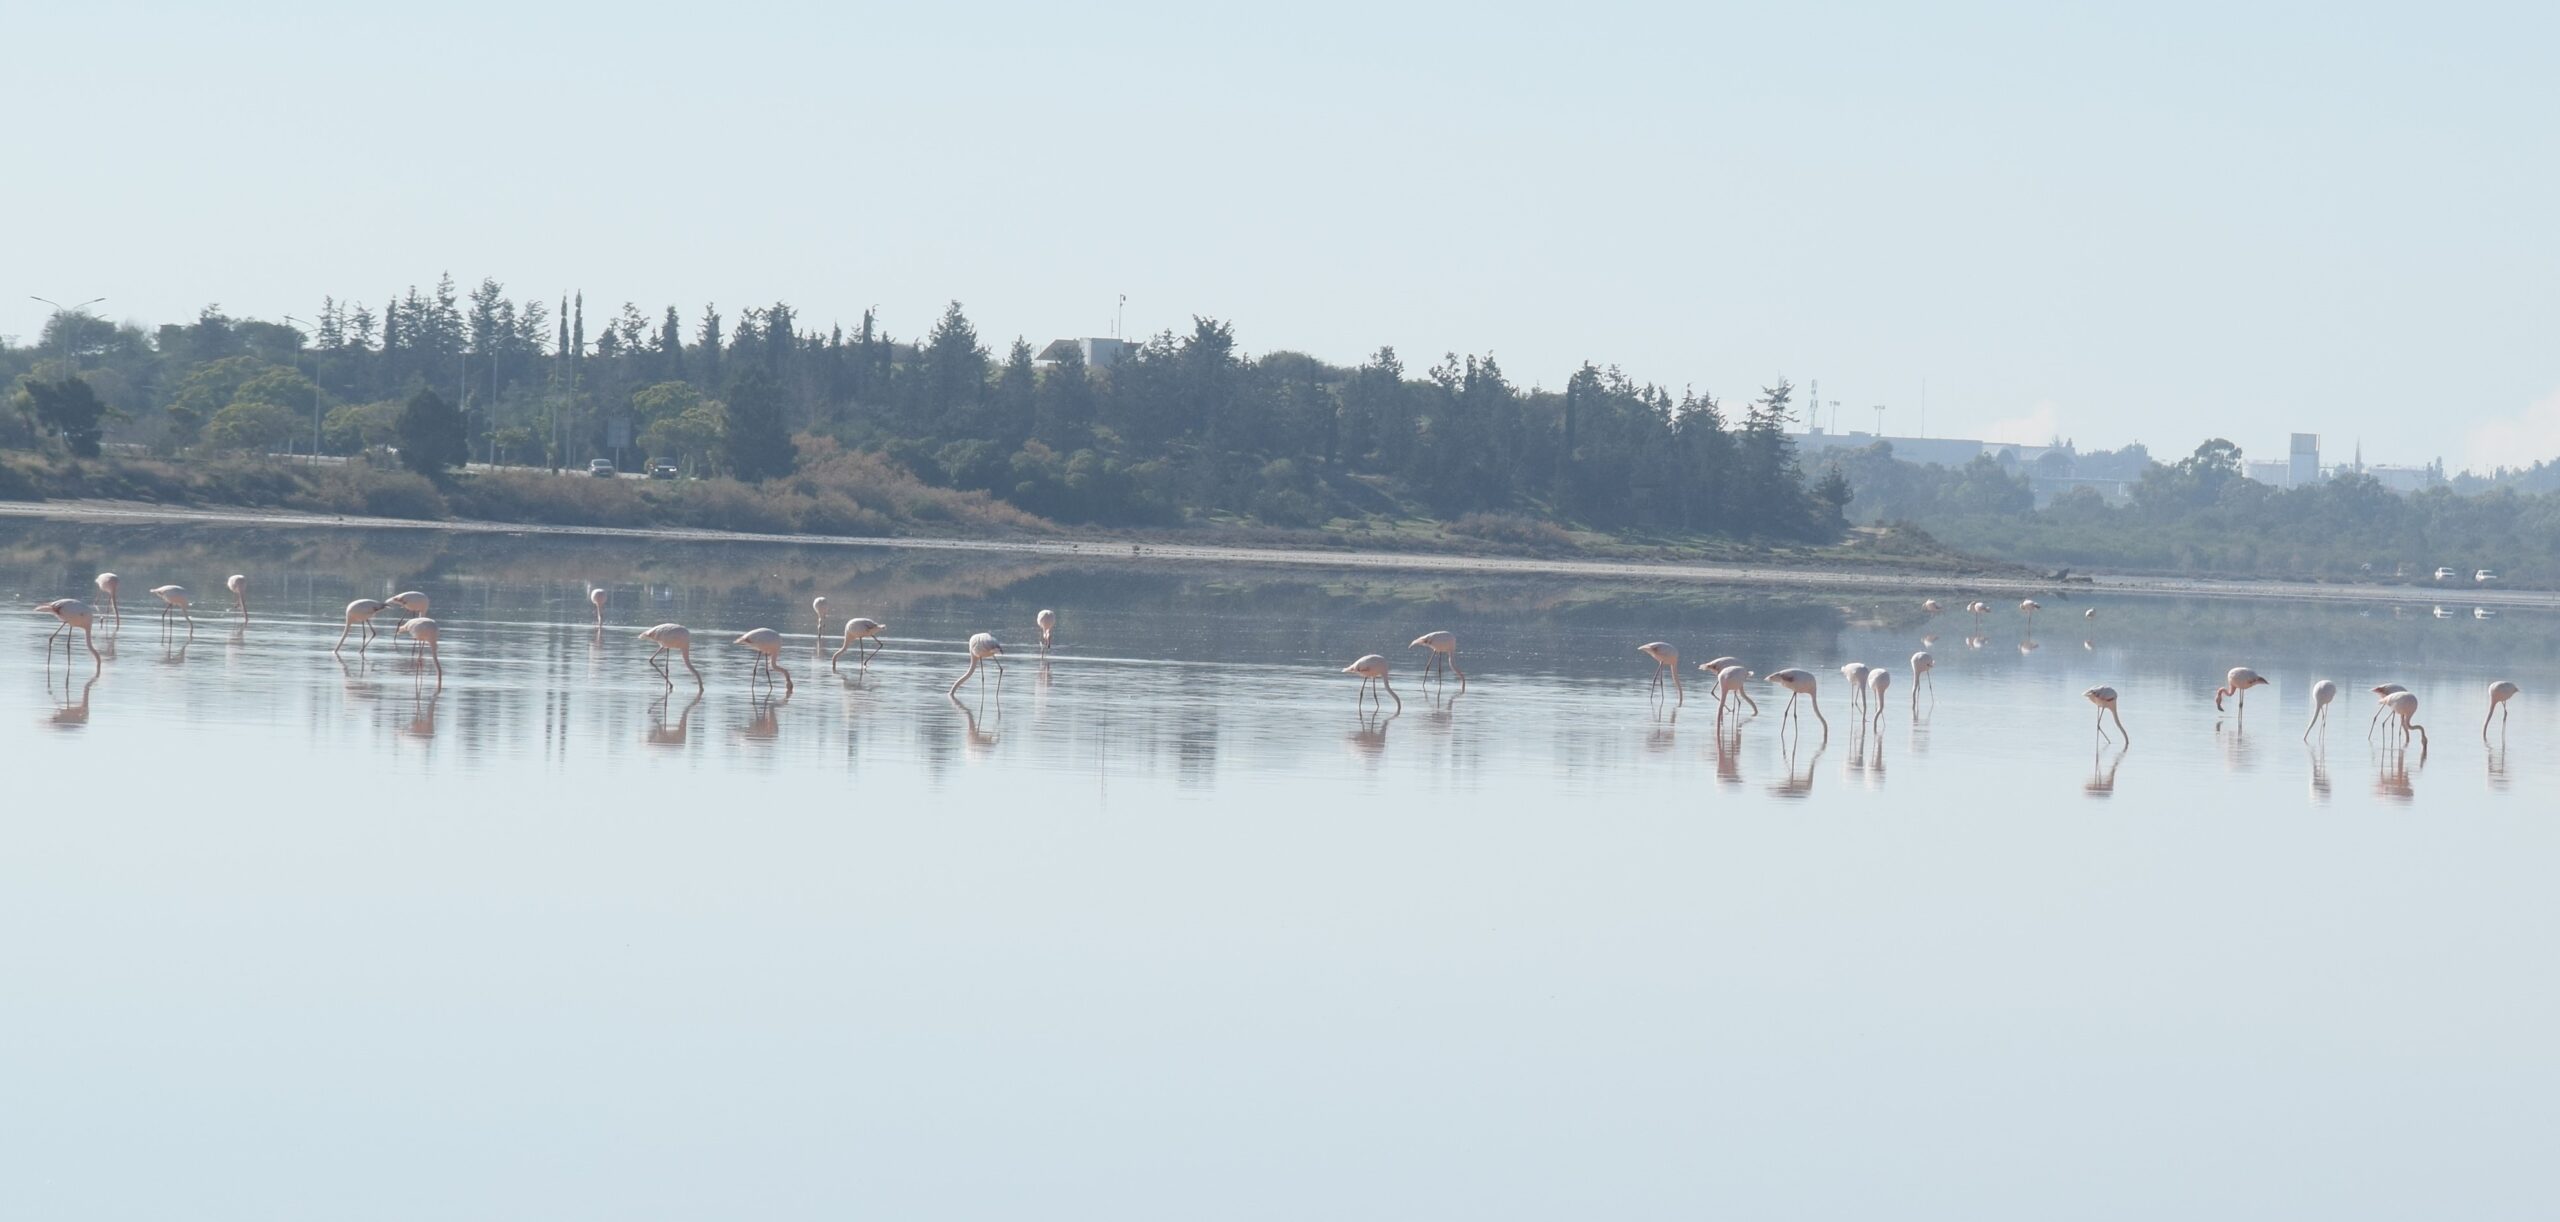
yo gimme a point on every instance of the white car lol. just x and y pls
(2446, 574)
(2485, 576)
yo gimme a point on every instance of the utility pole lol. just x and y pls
(1879, 420)
(62, 323)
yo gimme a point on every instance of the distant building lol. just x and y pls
(2273, 472)
(2404, 478)
(1939, 451)
(2305, 465)
(1098, 353)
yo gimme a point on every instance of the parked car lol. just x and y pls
(660, 468)
(2485, 576)
(601, 468)
(2446, 574)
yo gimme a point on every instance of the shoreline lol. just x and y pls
(1698, 572)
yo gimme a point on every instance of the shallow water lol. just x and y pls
(1164, 928)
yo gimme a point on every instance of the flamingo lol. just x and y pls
(1047, 621)
(1729, 687)
(2500, 693)
(2321, 694)
(983, 647)
(2090, 614)
(174, 598)
(818, 607)
(1878, 679)
(2105, 699)
(238, 584)
(73, 613)
(1799, 682)
(2382, 694)
(109, 584)
(676, 639)
(2404, 706)
(2028, 607)
(359, 612)
(1856, 674)
(1930, 605)
(409, 601)
(426, 632)
(1444, 652)
(1372, 668)
(597, 595)
(768, 646)
(1713, 665)
(2238, 683)
(1924, 665)
(856, 631)
(1665, 659)
(1979, 609)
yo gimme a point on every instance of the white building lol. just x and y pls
(1098, 353)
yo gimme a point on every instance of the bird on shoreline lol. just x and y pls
(1047, 622)
(676, 639)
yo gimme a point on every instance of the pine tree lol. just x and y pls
(756, 445)
(706, 344)
(429, 431)
(671, 349)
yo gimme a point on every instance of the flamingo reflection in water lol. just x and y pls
(661, 733)
(2102, 770)
(70, 713)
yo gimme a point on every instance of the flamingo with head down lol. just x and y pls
(70, 613)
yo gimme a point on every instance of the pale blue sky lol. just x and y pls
(2119, 221)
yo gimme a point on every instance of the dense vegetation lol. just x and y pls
(1183, 429)
(2201, 515)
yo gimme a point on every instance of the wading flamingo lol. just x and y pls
(768, 646)
(1729, 687)
(818, 607)
(1047, 621)
(410, 602)
(2500, 693)
(1924, 666)
(109, 584)
(2321, 694)
(2404, 706)
(1979, 609)
(1372, 668)
(2105, 699)
(597, 595)
(1856, 674)
(1666, 660)
(2237, 684)
(1930, 605)
(983, 649)
(2028, 607)
(174, 598)
(1878, 679)
(2382, 694)
(426, 633)
(856, 631)
(73, 613)
(360, 613)
(1799, 682)
(2090, 614)
(676, 639)
(1444, 652)
(238, 584)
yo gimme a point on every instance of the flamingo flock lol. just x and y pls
(1729, 678)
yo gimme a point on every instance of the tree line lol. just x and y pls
(1181, 427)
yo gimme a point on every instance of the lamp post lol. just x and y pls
(61, 313)
(315, 386)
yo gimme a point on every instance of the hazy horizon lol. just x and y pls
(2097, 226)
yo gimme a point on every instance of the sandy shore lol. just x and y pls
(1704, 573)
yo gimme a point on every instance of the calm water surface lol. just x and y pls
(1164, 928)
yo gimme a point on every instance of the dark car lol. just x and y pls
(601, 468)
(662, 469)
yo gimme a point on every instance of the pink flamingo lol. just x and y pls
(2500, 693)
(359, 613)
(1924, 665)
(1979, 609)
(984, 649)
(2028, 607)
(597, 596)
(1444, 652)
(2404, 706)
(1372, 668)
(2382, 694)
(676, 639)
(1666, 660)
(410, 602)
(174, 598)
(1729, 687)
(427, 633)
(71, 613)
(238, 584)
(109, 584)
(1047, 621)
(2105, 699)
(2321, 694)
(856, 631)
(1878, 679)
(767, 644)
(1799, 683)
(818, 607)
(1856, 674)
(1931, 606)
(2238, 683)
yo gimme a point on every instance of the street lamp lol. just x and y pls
(315, 385)
(59, 310)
